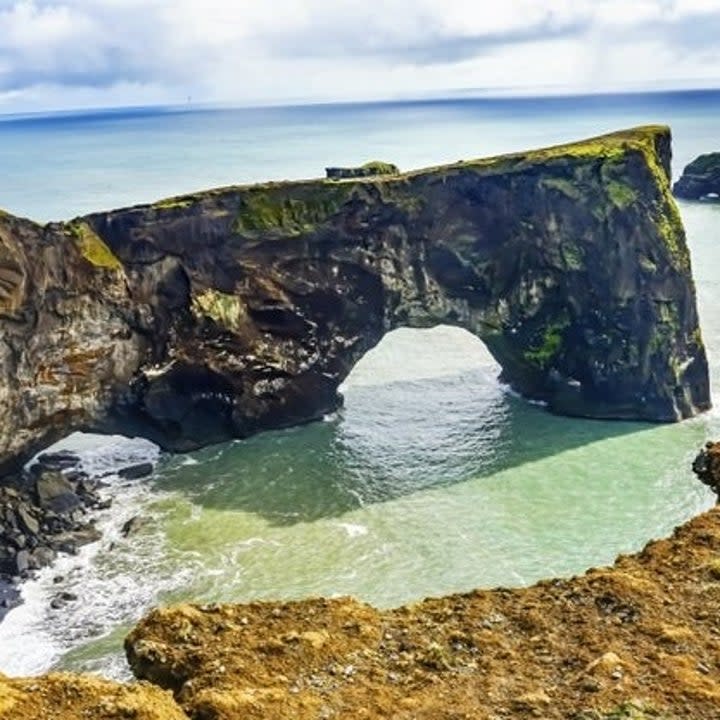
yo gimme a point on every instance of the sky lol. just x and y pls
(67, 54)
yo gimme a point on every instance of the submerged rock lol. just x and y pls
(133, 525)
(700, 179)
(220, 314)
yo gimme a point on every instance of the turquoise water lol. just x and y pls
(434, 477)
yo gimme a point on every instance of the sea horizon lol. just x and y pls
(476, 95)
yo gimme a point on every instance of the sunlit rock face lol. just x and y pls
(227, 312)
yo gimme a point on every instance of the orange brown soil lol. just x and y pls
(75, 697)
(643, 634)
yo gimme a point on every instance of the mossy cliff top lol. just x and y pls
(653, 141)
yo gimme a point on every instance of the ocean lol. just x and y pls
(434, 477)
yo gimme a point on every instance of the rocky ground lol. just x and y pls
(44, 511)
(61, 697)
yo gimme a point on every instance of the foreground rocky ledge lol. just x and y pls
(224, 313)
(63, 696)
(638, 640)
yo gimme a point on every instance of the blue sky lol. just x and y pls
(63, 54)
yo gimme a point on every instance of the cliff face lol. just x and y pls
(227, 312)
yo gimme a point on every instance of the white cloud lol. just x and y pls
(108, 51)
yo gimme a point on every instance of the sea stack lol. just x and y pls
(700, 179)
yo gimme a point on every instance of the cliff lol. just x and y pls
(227, 312)
(700, 179)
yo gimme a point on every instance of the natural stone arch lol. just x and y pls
(223, 313)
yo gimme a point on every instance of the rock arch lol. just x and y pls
(222, 313)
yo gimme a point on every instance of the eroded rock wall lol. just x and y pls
(219, 314)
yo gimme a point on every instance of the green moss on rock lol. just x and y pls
(621, 195)
(224, 309)
(92, 247)
(550, 344)
(564, 186)
(268, 208)
(378, 167)
(174, 203)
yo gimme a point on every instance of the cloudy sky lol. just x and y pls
(57, 54)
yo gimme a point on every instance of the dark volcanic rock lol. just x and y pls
(42, 513)
(55, 492)
(707, 467)
(59, 460)
(224, 313)
(135, 472)
(9, 597)
(700, 179)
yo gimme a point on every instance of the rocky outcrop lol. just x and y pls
(707, 466)
(72, 697)
(220, 314)
(643, 632)
(43, 512)
(700, 179)
(374, 167)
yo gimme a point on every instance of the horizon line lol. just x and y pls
(459, 95)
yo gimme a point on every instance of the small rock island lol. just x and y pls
(223, 313)
(700, 179)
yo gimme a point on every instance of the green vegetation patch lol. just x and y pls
(225, 309)
(175, 203)
(378, 167)
(573, 256)
(666, 329)
(564, 186)
(621, 195)
(672, 232)
(550, 344)
(613, 147)
(92, 247)
(267, 208)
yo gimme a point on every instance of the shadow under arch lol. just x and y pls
(427, 411)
